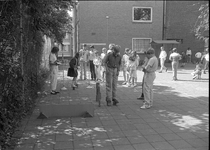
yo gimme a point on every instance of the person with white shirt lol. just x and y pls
(162, 58)
(103, 67)
(174, 58)
(110, 48)
(91, 58)
(125, 61)
(53, 62)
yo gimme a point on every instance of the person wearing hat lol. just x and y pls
(112, 62)
(174, 58)
(125, 61)
(149, 77)
(92, 66)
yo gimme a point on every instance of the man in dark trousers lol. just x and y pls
(112, 62)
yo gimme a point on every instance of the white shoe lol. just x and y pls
(145, 106)
(124, 83)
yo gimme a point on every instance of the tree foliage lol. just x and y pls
(39, 18)
(202, 23)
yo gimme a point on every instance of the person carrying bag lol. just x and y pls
(72, 71)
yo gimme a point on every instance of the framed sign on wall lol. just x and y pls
(142, 14)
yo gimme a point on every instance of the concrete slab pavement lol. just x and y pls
(179, 119)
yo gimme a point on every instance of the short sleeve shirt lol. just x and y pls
(152, 64)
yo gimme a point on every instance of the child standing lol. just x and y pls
(103, 67)
(125, 60)
(132, 68)
(97, 63)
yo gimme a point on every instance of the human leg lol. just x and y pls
(85, 65)
(53, 79)
(91, 69)
(148, 91)
(114, 86)
(108, 85)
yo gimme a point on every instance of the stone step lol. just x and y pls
(66, 110)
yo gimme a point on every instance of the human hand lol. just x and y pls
(117, 73)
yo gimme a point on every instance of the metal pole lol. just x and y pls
(63, 88)
(21, 50)
(107, 30)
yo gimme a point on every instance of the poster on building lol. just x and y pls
(142, 14)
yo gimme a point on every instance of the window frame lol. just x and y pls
(149, 21)
(140, 52)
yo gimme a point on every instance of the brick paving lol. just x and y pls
(179, 119)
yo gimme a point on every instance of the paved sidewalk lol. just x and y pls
(179, 119)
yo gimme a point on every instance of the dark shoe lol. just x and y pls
(108, 102)
(166, 69)
(140, 98)
(115, 102)
(160, 71)
(53, 93)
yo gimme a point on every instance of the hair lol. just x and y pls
(54, 50)
(174, 50)
(133, 56)
(104, 49)
(84, 45)
(92, 46)
(111, 45)
(150, 51)
(77, 55)
(116, 48)
(127, 50)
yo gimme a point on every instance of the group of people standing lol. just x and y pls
(106, 66)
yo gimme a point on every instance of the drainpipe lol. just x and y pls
(164, 21)
(74, 30)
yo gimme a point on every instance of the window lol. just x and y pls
(66, 48)
(140, 45)
(142, 14)
(67, 36)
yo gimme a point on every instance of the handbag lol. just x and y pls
(72, 72)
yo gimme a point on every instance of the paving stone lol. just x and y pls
(154, 138)
(63, 145)
(137, 139)
(170, 136)
(196, 142)
(124, 147)
(119, 141)
(143, 146)
(180, 144)
(162, 146)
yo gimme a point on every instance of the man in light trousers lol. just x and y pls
(83, 61)
(53, 62)
(162, 58)
(149, 77)
(112, 62)
(174, 58)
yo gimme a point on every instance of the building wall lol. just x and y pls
(181, 17)
(121, 29)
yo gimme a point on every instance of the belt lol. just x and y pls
(112, 67)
